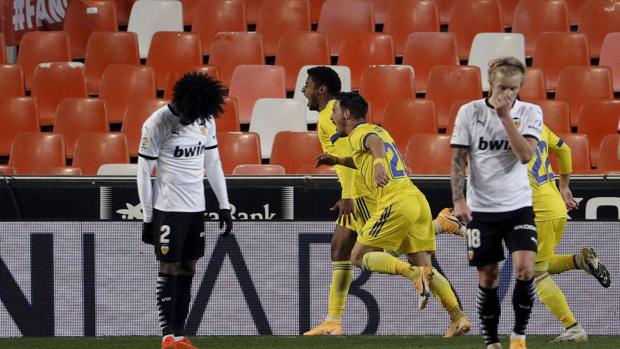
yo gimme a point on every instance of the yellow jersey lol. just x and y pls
(393, 161)
(547, 201)
(333, 144)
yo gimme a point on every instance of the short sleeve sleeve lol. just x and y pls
(149, 142)
(533, 123)
(461, 135)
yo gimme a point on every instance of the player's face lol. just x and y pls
(509, 85)
(311, 90)
(339, 119)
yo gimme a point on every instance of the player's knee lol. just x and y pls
(169, 268)
(340, 252)
(188, 268)
(488, 278)
(357, 258)
(524, 272)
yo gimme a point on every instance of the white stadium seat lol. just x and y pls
(272, 115)
(488, 46)
(148, 17)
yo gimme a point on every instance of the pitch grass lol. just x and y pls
(282, 342)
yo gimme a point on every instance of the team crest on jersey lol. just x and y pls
(164, 249)
(203, 131)
(145, 143)
(517, 122)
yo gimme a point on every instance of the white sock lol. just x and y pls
(517, 336)
(179, 338)
(438, 226)
(331, 319)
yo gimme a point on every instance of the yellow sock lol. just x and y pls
(381, 262)
(342, 275)
(560, 263)
(440, 286)
(552, 297)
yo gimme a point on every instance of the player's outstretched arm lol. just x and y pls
(330, 160)
(217, 181)
(457, 181)
(145, 193)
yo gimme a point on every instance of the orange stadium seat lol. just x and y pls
(608, 160)
(580, 153)
(610, 57)
(555, 51)
(404, 17)
(228, 121)
(315, 10)
(175, 75)
(17, 115)
(312, 170)
(429, 154)
(556, 115)
(533, 88)
(596, 21)
(579, 84)
(252, 8)
(423, 51)
(575, 8)
(229, 50)
(407, 117)
(360, 50)
(238, 148)
(277, 17)
(297, 49)
(189, 8)
(123, 8)
(7, 170)
(488, 15)
(381, 84)
(292, 150)
(339, 17)
(258, 170)
(534, 17)
(137, 111)
(11, 80)
(85, 17)
(94, 149)
(79, 115)
(3, 59)
(508, 11)
(597, 120)
(447, 84)
(379, 9)
(267, 82)
(454, 110)
(445, 9)
(187, 49)
(212, 17)
(58, 171)
(52, 82)
(42, 47)
(105, 48)
(31, 150)
(121, 83)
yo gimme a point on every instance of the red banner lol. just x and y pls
(21, 16)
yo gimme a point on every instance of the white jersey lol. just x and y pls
(498, 181)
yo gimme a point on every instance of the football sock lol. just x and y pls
(437, 226)
(488, 311)
(381, 262)
(522, 302)
(184, 290)
(166, 289)
(440, 287)
(437, 267)
(552, 297)
(342, 275)
(560, 263)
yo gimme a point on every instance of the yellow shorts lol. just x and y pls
(549, 235)
(405, 225)
(363, 207)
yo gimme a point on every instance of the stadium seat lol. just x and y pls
(187, 49)
(267, 82)
(534, 17)
(52, 82)
(252, 8)
(360, 50)
(229, 50)
(555, 51)
(445, 9)
(508, 11)
(3, 59)
(404, 17)
(258, 170)
(272, 115)
(339, 17)
(429, 154)
(85, 17)
(598, 119)
(406, 117)
(17, 115)
(312, 170)
(423, 51)
(123, 8)
(315, 10)
(189, 8)
(212, 17)
(105, 48)
(533, 88)
(79, 115)
(344, 73)
(580, 153)
(277, 17)
(175, 75)
(579, 84)
(58, 171)
(122, 82)
(596, 21)
(575, 8)
(489, 46)
(42, 47)
(137, 111)
(447, 84)
(556, 115)
(609, 160)
(381, 84)
(297, 49)
(488, 15)
(7, 170)
(118, 170)
(31, 150)
(610, 57)
(228, 121)
(454, 110)
(11, 80)
(94, 149)
(238, 148)
(292, 150)
(148, 17)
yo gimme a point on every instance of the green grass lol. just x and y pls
(281, 342)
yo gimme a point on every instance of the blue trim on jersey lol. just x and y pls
(560, 143)
(365, 137)
(334, 137)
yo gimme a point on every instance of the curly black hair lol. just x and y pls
(198, 96)
(322, 75)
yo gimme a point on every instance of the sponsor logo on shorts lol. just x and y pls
(203, 234)
(525, 227)
(164, 249)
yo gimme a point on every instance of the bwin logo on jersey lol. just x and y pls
(189, 151)
(493, 144)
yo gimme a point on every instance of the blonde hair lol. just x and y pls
(508, 66)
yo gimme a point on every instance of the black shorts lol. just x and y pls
(179, 236)
(487, 230)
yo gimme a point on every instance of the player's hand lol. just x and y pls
(381, 176)
(225, 221)
(346, 209)
(504, 104)
(148, 236)
(325, 159)
(567, 195)
(462, 211)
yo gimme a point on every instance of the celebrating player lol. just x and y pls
(179, 140)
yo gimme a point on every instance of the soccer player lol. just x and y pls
(400, 219)
(499, 135)
(550, 205)
(179, 140)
